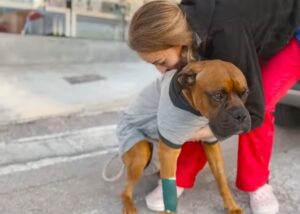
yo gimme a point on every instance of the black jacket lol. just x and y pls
(244, 32)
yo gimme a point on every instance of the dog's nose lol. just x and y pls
(239, 115)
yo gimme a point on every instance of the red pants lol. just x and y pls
(279, 74)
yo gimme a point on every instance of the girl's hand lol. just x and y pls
(203, 134)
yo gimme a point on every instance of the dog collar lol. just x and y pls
(177, 97)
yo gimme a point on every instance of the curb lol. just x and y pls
(64, 145)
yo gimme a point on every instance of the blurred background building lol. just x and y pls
(100, 19)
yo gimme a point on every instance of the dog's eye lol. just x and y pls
(244, 94)
(220, 96)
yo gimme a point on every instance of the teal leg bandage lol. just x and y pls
(169, 194)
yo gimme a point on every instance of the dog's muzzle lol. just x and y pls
(231, 122)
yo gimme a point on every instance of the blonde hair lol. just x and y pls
(159, 25)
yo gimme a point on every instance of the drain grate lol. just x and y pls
(84, 79)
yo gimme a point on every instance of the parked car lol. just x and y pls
(288, 110)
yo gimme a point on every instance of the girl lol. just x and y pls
(258, 37)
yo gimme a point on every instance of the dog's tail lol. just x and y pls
(106, 166)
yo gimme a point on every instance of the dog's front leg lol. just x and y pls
(216, 163)
(168, 162)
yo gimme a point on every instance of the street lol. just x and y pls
(74, 184)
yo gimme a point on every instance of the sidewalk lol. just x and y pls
(51, 111)
(32, 92)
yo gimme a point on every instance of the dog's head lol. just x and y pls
(218, 90)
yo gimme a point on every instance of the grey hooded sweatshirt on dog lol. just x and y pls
(159, 111)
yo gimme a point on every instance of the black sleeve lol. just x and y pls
(233, 42)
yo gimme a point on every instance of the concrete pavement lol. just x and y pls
(31, 92)
(75, 186)
(42, 105)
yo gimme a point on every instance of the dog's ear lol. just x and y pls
(186, 80)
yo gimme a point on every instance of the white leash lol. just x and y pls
(118, 175)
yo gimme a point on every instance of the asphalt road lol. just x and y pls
(74, 185)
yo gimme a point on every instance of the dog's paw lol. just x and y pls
(129, 210)
(236, 211)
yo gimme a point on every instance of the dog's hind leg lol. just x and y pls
(135, 161)
(216, 163)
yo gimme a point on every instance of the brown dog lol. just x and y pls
(218, 90)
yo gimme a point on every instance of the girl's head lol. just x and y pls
(160, 34)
